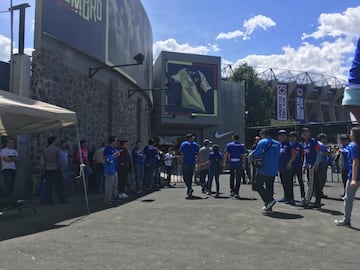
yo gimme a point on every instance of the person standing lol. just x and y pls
(111, 155)
(188, 151)
(169, 159)
(99, 168)
(312, 161)
(235, 157)
(150, 154)
(9, 156)
(124, 161)
(203, 164)
(83, 151)
(53, 175)
(268, 150)
(353, 183)
(298, 162)
(138, 162)
(324, 162)
(215, 160)
(345, 158)
(286, 159)
(64, 152)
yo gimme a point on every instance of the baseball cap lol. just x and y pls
(206, 142)
(282, 131)
(292, 134)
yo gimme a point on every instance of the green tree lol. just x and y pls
(258, 96)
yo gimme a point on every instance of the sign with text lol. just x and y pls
(282, 102)
(299, 103)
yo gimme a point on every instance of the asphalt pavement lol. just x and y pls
(163, 230)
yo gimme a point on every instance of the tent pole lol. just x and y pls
(82, 170)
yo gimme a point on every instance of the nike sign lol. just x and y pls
(220, 135)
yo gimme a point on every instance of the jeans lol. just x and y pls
(139, 176)
(123, 175)
(266, 193)
(314, 186)
(286, 177)
(345, 177)
(148, 175)
(203, 175)
(169, 170)
(299, 176)
(54, 178)
(111, 187)
(322, 174)
(188, 172)
(235, 179)
(349, 200)
(9, 182)
(212, 174)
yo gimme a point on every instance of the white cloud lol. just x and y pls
(230, 35)
(332, 56)
(173, 46)
(258, 21)
(346, 24)
(5, 47)
(249, 26)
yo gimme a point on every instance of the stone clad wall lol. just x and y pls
(102, 109)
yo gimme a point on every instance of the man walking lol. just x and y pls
(286, 159)
(235, 157)
(298, 162)
(324, 162)
(111, 155)
(312, 160)
(269, 151)
(204, 165)
(188, 151)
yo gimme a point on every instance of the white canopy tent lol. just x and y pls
(21, 116)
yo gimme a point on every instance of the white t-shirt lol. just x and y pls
(168, 159)
(7, 152)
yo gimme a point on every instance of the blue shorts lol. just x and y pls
(351, 95)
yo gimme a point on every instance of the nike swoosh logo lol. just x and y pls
(220, 135)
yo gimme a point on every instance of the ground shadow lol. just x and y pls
(222, 197)
(247, 199)
(194, 198)
(148, 200)
(280, 215)
(15, 224)
(331, 212)
(334, 199)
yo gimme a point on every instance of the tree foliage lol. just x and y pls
(258, 96)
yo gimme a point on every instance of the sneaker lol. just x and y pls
(317, 205)
(217, 195)
(282, 200)
(232, 193)
(189, 194)
(266, 211)
(123, 196)
(290, 202)
(342, 223)
(208, 193)
(270, 205)
(237, 196)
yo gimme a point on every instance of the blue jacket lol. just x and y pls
(270, 162)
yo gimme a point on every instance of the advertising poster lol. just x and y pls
(111, 31)
(299, 103)
(282, 102)
(191, 89)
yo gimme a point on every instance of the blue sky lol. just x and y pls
(315, 36)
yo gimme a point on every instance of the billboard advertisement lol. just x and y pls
(111, 31)
(192, 89)
(299, 103)
(282, 102)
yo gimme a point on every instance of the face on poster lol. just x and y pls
(191, 88)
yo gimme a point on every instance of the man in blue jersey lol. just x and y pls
(286, 159)
(345, 158)
(298, 148)
(150, 159)
(188, 152)
(351, 100)
(269, 151)
(235, 157)
(312, 160)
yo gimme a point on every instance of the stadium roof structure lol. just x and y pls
(289, 76)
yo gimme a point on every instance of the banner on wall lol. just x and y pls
(299, 103)
(282, 102)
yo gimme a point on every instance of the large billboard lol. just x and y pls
(112, 31)
(192, 89)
